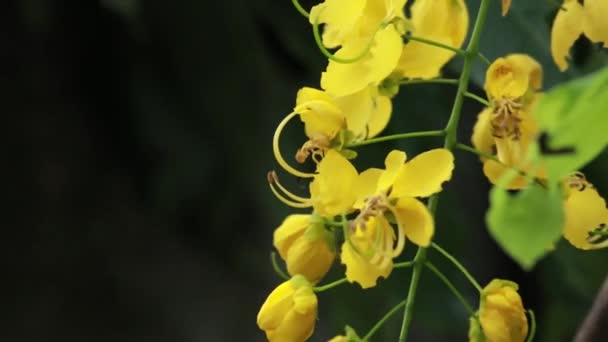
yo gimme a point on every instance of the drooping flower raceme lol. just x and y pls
(507, 128)
(442, 21)
(576, 19)
(501, 313)
(306, 246)
(586, 225)
(290, 311)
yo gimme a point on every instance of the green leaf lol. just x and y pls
(526, 224)
(573, 123)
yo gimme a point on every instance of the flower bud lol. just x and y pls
(306, 246)
(290, 311)
(501, 312)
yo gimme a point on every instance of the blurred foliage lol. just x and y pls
(143, 209)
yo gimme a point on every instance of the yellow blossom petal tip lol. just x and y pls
(501, 312)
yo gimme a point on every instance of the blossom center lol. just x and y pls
(314, 148)
(505, 118)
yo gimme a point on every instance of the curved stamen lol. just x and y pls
(274, 179)
(277, 151)
(400, 237)
(280, 197)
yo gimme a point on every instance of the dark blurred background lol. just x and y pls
(138, 135)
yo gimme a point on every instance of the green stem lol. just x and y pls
(477, 98)
(532, 332)
(432, 80)
(330, 285)
(382, 320)
(483, 58)
(397, 136)
(300, 9)
(451, 139)
(451, 286)
(437, 44)
(277, 268)
(458, 265)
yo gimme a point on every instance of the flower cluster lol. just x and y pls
(506, 130)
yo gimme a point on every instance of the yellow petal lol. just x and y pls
(312, 254)
(501, 312)
(482, 138)
(506, 79)
(292, 227)
(393, 163)
(357, 108)
(414, 217)
(530, 67)
(567, 27)
(342, 79)
(359, 269)
(380, 117)
(340, 18)
(332, 188)
(443, 21)
(366, 185)
(494, 170)
(423, 175)
(276, 305)
(596, 25)
(585, 211)
(319, 112)
(506, 4)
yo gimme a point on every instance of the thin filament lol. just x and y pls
(287, 201)
(277, 151)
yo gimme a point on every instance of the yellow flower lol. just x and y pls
(372, 243)
(586, 225)
(290, 311)
(501, 312)
(351, 20)
(507, 128)
(576, 19)
(351, 336)
(340, 79)
(306, 246)
(443, 21)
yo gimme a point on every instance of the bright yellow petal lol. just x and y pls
(415, 219)
(585, 211)
(381, 114)
(494, 170)
(319, 112)
(530, 67)
(357, 108)
(567, 27)
(292, 227)
(596, 25)
(506, 79)
(393, 163)
(340, 18)
(342, 79)
(423, 175)
(331, 190)
(366, 185)
(443, 21)
(482, 138)
(276, 305)
(506, 4)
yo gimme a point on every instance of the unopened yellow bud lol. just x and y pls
(306, 246)
(501, 312)
(290, 311)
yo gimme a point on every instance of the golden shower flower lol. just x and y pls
(351, 336)
(306, 246)
(507, 128)
(391, 194)
(290, 311)
(341, 79)
(586, 216)
(501, 312)
(442, 21)
(573, 20)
